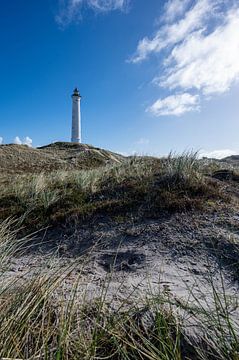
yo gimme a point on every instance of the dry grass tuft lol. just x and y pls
(37, 323)
(140, 186)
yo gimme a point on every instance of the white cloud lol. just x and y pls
(174, 8)
(107, 5)
(26, 141)
(209, 63)
(217, 154)
(171, 34)
(142, 141)
(127, 153)
(1, 140)
(71, 9)
(198, 47)
(17, 141)
(175, 105)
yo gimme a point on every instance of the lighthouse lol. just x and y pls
(76, 117)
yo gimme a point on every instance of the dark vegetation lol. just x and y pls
(61, 183)
(143, 187)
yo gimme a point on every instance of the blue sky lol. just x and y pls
(154, 75)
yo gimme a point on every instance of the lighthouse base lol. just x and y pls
(76, 140)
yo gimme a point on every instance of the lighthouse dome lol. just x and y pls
(76, 92)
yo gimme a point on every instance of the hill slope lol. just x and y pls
(233, 160)
(145, 247)
(17, 159)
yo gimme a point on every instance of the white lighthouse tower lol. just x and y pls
(76, 117)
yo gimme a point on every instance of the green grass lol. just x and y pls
(139, 186)
(37, 322)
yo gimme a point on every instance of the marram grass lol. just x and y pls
(40, 321)
(139, 186)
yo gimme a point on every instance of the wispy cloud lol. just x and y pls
(26, 141)
(172, 34)
(175, 105)
(199, 50)
(174, 8)
(217, 154)
(142, 141)
(208, 63)
(1, 140)
(70, 10)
